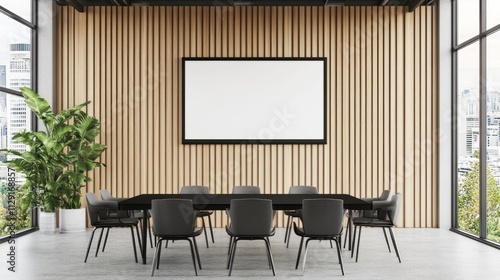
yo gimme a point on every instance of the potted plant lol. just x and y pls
(82, 153)
(55, 160)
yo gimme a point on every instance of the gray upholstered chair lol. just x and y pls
(386, 217)
(350, 214)
(292, 213)
(106, 196)
(246, 190)
(99, 215)
(323, 219)
(251, 219)
(201, 190)
(174, 219)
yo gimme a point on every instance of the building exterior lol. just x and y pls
(3, 76)
(20, 66)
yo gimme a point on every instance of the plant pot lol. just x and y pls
(47, 222)
(71, 220)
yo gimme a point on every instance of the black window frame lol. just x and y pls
(33, 75)
(481, 38)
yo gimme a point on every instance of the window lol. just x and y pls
(477, 114)
(16, 45)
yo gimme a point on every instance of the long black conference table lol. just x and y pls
(222, 201)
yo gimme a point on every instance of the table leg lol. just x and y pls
(144, 235)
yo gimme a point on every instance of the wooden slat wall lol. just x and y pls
(382, 98)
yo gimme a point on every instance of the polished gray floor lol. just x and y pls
(425, 253)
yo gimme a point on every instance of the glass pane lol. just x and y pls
(15, 54)
(14, 117)
(21, 8)
(492, 13)
(467, 19)
(468, 138)
(493, 111)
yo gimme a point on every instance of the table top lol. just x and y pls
(223, 201)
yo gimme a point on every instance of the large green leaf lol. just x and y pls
(68, 114)
(87, 127)
(38, 105)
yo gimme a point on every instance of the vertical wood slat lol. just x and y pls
(381, 81)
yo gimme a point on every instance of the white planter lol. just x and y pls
(71, 220)
(47, 222)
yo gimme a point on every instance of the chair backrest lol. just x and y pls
(195, 190)
(323, 216)
(395, 208)
(303, 190)
(98, 210)
(251, 216)
(173, 217)
(246, 190)
(105, 195)
(392, 210)
(385, 195)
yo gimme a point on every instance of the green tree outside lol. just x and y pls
(23, 213)
(468, 203)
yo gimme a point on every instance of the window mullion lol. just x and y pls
(483, 123)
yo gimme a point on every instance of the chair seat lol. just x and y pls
(196, 232)
(371, 222)
(292, 213)
(203, 213)
(140, 214)
(124, 222)
(271, 233)
(300, 232)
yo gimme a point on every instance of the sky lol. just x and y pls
(10, 30)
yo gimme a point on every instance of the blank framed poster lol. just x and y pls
(254, 101)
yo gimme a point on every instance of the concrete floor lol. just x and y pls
(425, 253)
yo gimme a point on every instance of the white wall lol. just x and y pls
(445, 114)
(46, 51)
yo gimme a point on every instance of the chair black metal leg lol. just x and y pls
(305, 256)
(157, 254)
(133, 243)
(338, 243)
(386, 240)
(138, 238)
(197, 252)
(230, 244)
(90, 243)
(394, 244)
(105, 240)
(204, 230)
(339, 238)
(192, 256)
(331, 244)
(289, 233)
(233, 253)
(348, 230)
(270, 254)
(211, 230)
(359, 238)
(150, 235)
(230, 250)
(268, 257)
(353, 241)
(99, 242)
(300, 251)
(287, 226)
